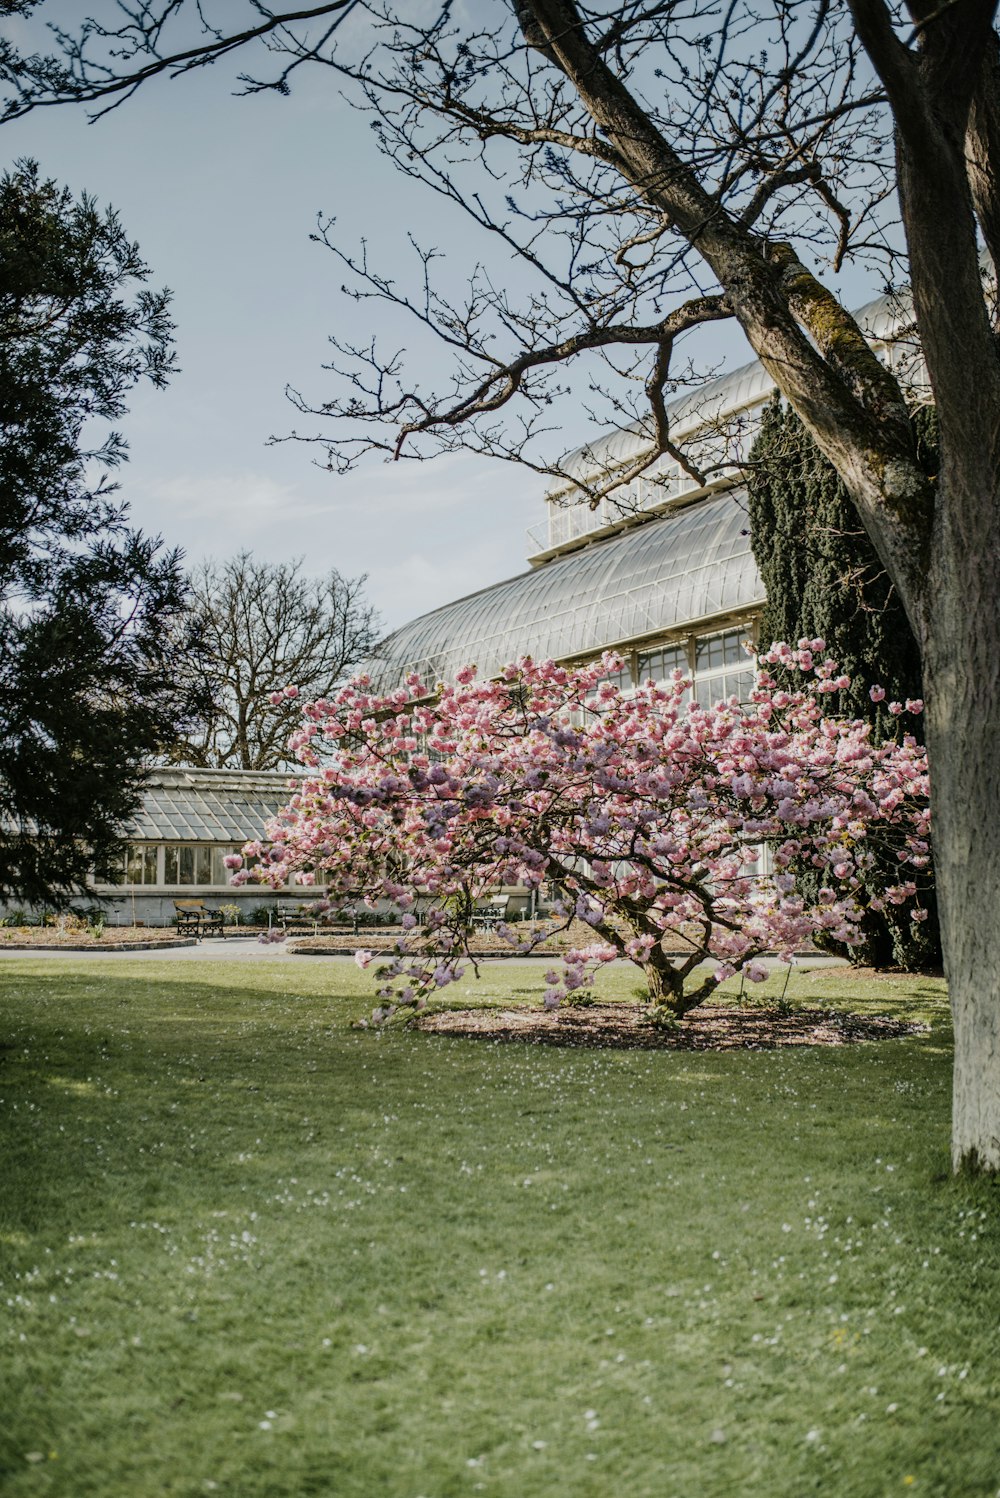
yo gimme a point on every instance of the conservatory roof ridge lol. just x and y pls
(198, 778)
(882, 320)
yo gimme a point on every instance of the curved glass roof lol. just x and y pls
(703, 407)
(207, 806)
(668, 574)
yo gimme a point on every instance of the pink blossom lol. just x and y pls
(646, 808)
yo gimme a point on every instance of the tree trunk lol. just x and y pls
(961, 654)
(665, 985)
(957, 613)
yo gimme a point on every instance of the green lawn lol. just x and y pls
(247, 1250)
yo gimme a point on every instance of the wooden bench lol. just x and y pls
(302, 916)
(487, 918)
(194, 915)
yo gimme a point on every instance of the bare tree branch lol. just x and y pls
(79, 81)
(259, 627)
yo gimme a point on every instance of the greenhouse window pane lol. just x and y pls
(708, 653)
(735, 653)
(140, 864)
(659, 665)
(740, 683)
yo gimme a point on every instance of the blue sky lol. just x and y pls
(221, 194)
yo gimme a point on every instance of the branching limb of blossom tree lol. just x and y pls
(646, 811)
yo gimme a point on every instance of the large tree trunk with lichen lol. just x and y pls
(957, 612)
(967, 850)
(961, 652)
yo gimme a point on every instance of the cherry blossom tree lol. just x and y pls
(648, 811)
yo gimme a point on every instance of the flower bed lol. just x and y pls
(83, 938)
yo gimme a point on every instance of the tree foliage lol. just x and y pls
(648, 810)
(823, 577)
(258, 627)
(88, 607)
(821, 573)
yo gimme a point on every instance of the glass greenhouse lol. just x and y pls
(187, 823)
(671, 576)
(660, 569)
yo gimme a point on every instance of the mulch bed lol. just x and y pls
(112, 939)
(625, 1027)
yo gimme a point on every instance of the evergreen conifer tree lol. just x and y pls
(91, 611)
(824, 579)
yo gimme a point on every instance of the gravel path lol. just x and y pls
(249, 949)
(230, 949)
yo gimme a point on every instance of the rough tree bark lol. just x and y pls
(956, 611)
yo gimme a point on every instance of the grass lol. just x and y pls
(245, 1249)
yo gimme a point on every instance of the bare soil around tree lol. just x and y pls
(713, 1027)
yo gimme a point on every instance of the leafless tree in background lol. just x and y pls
(656, 164)
(262, 626)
